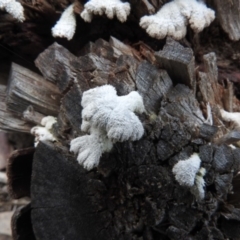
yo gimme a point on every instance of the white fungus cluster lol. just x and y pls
(14, 8)
(66, 25)
(172, 19)
(108, 118)
(188, 173)
(108, 7)
(44, 133)
(231, 117)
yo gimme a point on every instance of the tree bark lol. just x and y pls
(133, 193)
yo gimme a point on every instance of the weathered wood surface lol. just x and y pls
(133, 193)
(179, 63)
(9, 121)
(229, 17)
(55, 65)
(27, 88)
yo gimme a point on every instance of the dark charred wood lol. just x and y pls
(19, 171)
(22, 224)
(86, 221)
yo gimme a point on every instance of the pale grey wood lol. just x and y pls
(28, 88)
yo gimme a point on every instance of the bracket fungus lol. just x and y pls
(109, 119)
(108, 7)
(172, 19)
(44, 133)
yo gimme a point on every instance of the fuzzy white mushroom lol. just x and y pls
(168, 21)
(14, 8)
(231, 117)
(186, 170)
(44, 133)
(108, 7)
(90, 148)
(171, 20)
(188, 173)
(198, 14)
(198, 188)
(66, 25)
(104, 109)
(108, 118)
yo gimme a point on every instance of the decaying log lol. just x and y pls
(133, 193)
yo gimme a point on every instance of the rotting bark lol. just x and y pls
(133, 194)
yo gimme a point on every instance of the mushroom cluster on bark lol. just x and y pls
(153, 124)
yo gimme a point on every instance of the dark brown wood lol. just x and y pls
(19, 171)
(21, 224)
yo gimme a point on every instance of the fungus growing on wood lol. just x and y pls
(188, 173)
(172, 19)
(66, 25)
(108, 118)
(14, 8)
(231, 117)
(198, 188)
(44, 133)
(108, 7)
(91, 147)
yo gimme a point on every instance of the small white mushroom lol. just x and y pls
(198, 188)
(197, 13)
(172, 19)
(168, 21)
(108, 7)
(186, 170)
(44, 133)
(66, 25)
(188, 173)
(14, 8)
(90, 148)
(231, 117)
